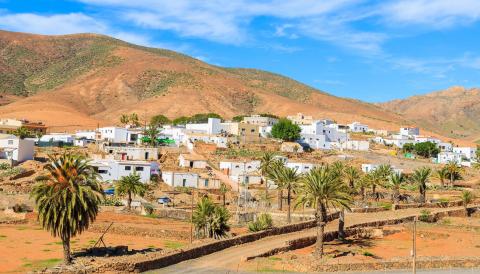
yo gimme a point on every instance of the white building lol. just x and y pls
(423, 139)
(443, 146)
(190, 179)
(357, 127)
(15, 150)
(192, 161)
(366, 168)
(467, 152)
(321, 134)
(114, 170)
(300, 167)
(314, 141)
(86, 134)
(359, 145)
(132, 153)
(409, 131)
(446, 156)
(248, 171)
(260, 120)
(57, 137)
(219, 141)
(113, 134)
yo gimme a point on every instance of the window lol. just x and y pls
(237, 166)
(102, 171)
(206, 183)
(10, 142)
(184, 182)
(128, 168)
(139, 168)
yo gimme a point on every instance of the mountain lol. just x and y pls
(81, 80)
(454, 112)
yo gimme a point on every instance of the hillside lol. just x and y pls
(453, 112)
(82, 80)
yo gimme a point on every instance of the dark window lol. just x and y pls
(184, 182)
(128, 168)
(139, 168)
(101, 171)
(206, 182)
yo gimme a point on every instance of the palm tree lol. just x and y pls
(395, 181)
(22, 132)
(442, 175)
(352, 174)
(337, 168)
(210, 220)
(467, 198)
(133, 119)
(289, 179)
(67, 198)
(124, 119)
(421, 177)
(323, 189)
(130, 185)
(453, 171)
(275, 175)
(223, 189)
(152, 132)
(363, 183)
(266, 162)
(380, 176)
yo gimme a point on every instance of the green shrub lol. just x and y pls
(424, 216)
(148, 209)
(263, 222)
(112, 201)
(368, 254)
(4, 166)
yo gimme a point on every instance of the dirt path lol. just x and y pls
(229, 259)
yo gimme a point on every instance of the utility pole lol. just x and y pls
(414, 250)
(191, 218)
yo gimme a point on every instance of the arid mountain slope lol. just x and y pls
(82, 80)
(454, 112)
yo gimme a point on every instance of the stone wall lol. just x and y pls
(429, 205)
(172, 213)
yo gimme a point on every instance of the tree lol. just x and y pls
(159, 120)
(210, 220)
(182, 120)
(421, 177)
(151, 132)
(266, 163)
(290, 179)
(363, 183)
(396, 180)
(22, 132)
(352, 174)
(453, 171)
(408, 148)
(477, 153)
(125, 119)
(426, 149)
(442, 175)
(467, 198)
(133, 120)
(67, 198)
(380, 176)
(238, 118)
(130, 185)
(223, 189)
(275, 175)
(319, 188)
(286, 130)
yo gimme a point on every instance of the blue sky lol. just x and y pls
(369, 50)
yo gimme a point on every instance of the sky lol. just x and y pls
(369, 50)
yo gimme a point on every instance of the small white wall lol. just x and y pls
(182, 179)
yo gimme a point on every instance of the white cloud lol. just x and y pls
(431, 13)
(51, 24)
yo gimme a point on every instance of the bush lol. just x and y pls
(148, 209)
(424, 216)
(112, 201)
(4, 166)
(286, 130)
(263, 222)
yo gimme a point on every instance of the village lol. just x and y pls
(187, 163)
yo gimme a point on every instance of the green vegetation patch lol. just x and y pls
(157, 82)
(40, 264)
(174, 244)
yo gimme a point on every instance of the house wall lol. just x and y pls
(111, 170)
(239, 168)
(185, 179)
(19, 150)
(88, 134)
(133, 153)
(409, 131)
(356, 145)
(314, 141)
(467, 152)
(300, 167)
(59, 137)
(113, 134)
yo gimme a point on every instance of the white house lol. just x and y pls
(443, 146)
(87, 134)
(300, 167)
(190, 179)
(113, 134)
(57, 137)
(220, 141)
(248, 171)
(366, 168)
(423, 139)
(260, 120)
(14, 149)
(357, 127)
(398, 142)
(359, 145)
(114, 170)
(314, 141)
(447, 156)
(82, 142)
(192, 161)
(467, 152)
(132, 153)
(409, 131)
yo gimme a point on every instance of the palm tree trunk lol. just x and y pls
(266, 191)
(129, 201)
(452, 176)
(320, 231)
(341, 225)
(374, 188)
(223, 199)
(279, 198)
(362, 190)
(442, 182)
(289, 218)
(67, 258)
